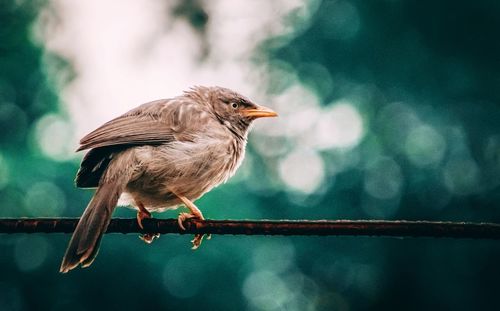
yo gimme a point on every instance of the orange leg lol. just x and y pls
(195, 213)
(142, 214)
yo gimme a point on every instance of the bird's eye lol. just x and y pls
(234, 105)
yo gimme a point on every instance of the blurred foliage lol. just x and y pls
(423, 75)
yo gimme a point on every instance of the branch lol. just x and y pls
(395, 228)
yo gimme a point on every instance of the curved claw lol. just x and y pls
(142, 214)
(148, 238)
(198, 238)
(195, 213)
(183, 216)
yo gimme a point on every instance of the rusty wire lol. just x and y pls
(395, 228)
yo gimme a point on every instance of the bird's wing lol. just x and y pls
(157, 122)
(127, 131)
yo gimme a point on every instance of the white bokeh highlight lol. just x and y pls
(302, 171)
(144, 53)
(339, 126)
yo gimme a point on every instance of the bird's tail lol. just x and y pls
(84, 243)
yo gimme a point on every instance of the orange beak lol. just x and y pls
(259, 112)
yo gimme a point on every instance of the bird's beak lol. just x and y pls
(259, 112)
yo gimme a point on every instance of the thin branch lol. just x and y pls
(395, 228)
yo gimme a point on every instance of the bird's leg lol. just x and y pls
(142, 214)
(195, 213)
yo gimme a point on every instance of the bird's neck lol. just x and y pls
(237, 134)
(239, 129)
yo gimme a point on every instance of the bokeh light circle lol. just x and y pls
(302, 171)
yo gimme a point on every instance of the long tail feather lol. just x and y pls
(84, 243)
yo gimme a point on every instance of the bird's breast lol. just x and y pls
(186, 168)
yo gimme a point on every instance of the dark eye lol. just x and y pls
(234, 105)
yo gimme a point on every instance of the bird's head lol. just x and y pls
(232, 109)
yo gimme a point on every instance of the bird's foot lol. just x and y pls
(142, 214)
(148, 238)
(184, 216)
(198, 238)
(195, 213)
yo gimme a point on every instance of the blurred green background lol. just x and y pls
(388, 110)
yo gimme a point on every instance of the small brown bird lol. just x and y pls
(158, 156)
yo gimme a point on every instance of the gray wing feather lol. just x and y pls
(128, 130)
(157, 122)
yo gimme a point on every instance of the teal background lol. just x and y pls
(440, 59)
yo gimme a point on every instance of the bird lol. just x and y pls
(157, 157)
